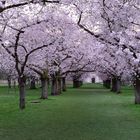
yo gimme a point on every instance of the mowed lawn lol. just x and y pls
(88, 113)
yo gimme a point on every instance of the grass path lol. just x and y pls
(89, 113)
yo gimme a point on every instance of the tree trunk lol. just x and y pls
(22, 81)
(116, 85)
(9, 81)
(44, 87)
(63, 84)
(113, 88)
(104, 83)
(54, 86)
(76, 83)
(107, 83)
(32, 83)
(59, 86)
(137, 91)
(81, 83)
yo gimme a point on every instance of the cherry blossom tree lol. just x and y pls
(74, 37)
(116, 25)
(21, 40)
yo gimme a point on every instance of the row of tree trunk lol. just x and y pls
(58, 84)
(114, 84)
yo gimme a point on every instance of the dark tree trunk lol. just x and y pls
(33, 83)
(107, 83)
(22, 81)
(56, 89)
(54, 86)
(77, 83)
(9, 81)
(104, 83)
(81, 83)
(44, 87)
(59, 86)
(113, 88)
(137, 91)
(116, 85)
(63, 84)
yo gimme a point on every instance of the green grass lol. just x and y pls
(88, 113)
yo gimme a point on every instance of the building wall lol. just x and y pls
(89, 79)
